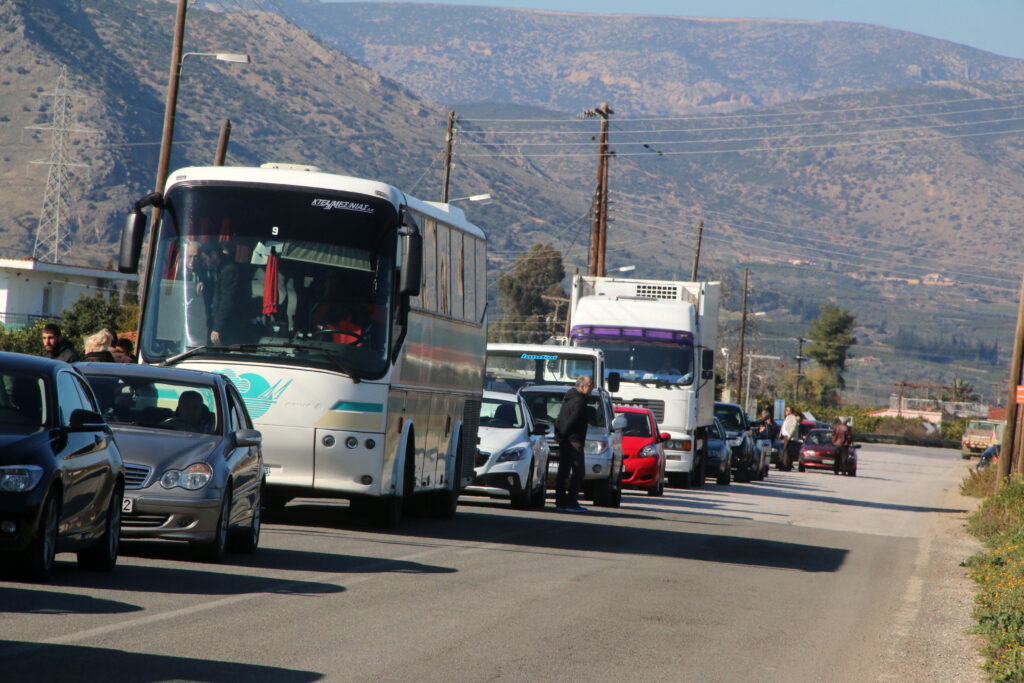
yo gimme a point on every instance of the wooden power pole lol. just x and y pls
(1008, 449)
(696, 252)
(599, 231)
(222, 143)
(449, 138)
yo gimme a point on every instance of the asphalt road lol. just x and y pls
(802, 577)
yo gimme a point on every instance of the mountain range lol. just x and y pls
(880, 169)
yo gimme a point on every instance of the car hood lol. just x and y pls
(21, 447)
(494, 440)
(162, 448)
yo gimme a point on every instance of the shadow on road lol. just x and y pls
(591, 532)
(26, 601)
(26, 661)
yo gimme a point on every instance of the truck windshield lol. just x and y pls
(512, 370)
(642, 355)
(295, 274)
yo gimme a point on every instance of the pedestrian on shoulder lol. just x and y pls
(842, 438)
(571, 432)
(56, 346)
(790, 433)
(97, 348)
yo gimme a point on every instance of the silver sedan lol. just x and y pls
(193, 462)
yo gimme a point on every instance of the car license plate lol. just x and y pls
(128, 505)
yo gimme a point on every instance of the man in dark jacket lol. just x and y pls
(842, 437)
(571, 431)
(56, 345)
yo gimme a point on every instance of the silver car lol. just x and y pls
(193, 462)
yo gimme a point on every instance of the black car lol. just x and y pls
(719, 454)
(741, 441)
(61, 475)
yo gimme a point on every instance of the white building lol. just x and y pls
(31, 289)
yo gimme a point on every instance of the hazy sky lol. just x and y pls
(993, 25)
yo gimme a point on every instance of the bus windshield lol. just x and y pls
(293, 274)
(512, 370)
(641, 355)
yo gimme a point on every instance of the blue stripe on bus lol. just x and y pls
(362, 407)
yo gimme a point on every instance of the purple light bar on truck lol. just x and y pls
(582, 332)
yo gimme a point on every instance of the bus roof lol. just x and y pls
(296, 176)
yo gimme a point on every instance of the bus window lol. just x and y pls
(469, 277)
(456, 290)
(443, 262)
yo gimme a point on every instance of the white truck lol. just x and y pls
(659, 337)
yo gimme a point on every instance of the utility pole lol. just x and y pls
(696, 252)
(799, 358)
(1008, 449)
(743, 329)
(222, 143)
(449, 139)
(599, 231)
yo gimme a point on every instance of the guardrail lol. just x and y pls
(906, 440)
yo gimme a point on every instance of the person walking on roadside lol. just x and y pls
(842, 437)
(789, 432)
(56, 346)
(571, 432)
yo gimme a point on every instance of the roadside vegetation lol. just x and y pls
(999, 572)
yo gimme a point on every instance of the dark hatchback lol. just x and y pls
(61, 474)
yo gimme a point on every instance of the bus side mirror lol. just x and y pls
(412, 257)
(612, 380)
(131, 242)
(707, 364)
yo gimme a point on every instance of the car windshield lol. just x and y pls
(22, 400)
(301, 276)
(150, 403)
(731, 417)
(544, 406)
(637, 424)
(501, 414)
(818, 437)
(512, 370)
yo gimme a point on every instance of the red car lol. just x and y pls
(643, 456)
(819, 453)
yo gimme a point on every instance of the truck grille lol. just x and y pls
(655, 406)
(136, 476)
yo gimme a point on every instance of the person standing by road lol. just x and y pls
(790, 431)
(56, 346)
(842, 437)
(571, 432)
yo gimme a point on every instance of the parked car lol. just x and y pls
(719, 454)
(603, 448)
(61, 474)
(643, 454)
(818, 452)
(741, 441)
(512, 458)
(193, 462)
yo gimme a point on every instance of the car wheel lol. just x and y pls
(659, 488)
(103, 556)
(247, 540)
(215, 549)
(37, 558)
(723, 477)
(801, 467)
(853, 472)
(615, 494)
(520, 497)
(540, 496)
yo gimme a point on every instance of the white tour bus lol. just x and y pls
(350, 316)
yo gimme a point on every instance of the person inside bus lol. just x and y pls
(228, 319)
(334, 316)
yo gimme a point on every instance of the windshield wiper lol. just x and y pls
(192, 352)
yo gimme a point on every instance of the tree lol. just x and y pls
(529, 294)
(830, 333)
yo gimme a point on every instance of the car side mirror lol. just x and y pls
(619, 423)
(664, 436)
(247, 437)
(541, 429)
(82, 420)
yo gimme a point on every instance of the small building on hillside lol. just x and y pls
(31, 289)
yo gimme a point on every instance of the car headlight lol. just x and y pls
(19, 478)
(648, 451)
(811, 453)
(513, 454)
(193, 477)
(592, 447)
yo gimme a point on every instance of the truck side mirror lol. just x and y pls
(612, 380)
(131, 242)
(412, 257)
(707, 364)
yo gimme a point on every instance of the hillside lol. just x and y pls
(649, 65)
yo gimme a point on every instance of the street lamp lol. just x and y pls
(471, 198)
(624, 269)
(230, 57)
(725, 378)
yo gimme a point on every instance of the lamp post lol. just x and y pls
(624, 269)
(471, 198)
(725, 379)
